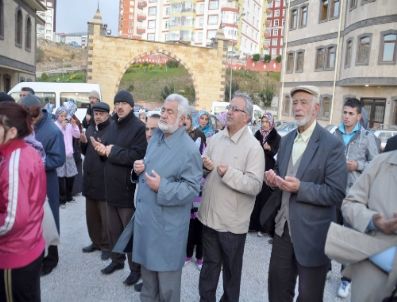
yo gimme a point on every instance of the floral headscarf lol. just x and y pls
(60, 110)
(207, 129)
(264, 132)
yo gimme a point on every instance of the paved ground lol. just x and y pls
(78, 277)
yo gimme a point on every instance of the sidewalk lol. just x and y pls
(77, 278)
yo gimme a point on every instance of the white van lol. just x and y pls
(218, 107)
(57, 93)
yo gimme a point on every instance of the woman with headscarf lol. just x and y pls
(22, 195)
(205, 124)
(269, 139)
(68, 170)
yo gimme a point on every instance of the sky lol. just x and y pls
(73, 15)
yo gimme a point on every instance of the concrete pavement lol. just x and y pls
(78, 278)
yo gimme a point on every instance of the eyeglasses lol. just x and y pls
(234, 109)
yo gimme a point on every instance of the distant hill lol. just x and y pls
(54, 58)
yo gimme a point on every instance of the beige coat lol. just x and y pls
(228, 201)
(374, 192)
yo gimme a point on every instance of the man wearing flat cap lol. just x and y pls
(310, 180)
(94, 181)
(124, 143)
(93, 98)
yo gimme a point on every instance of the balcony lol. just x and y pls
(141, 18)
(142, 4)
(140, 31)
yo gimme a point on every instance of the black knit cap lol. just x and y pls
(101, 106)
(124, 96)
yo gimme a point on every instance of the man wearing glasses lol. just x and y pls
(235, 165)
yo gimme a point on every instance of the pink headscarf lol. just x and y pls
(265, 133)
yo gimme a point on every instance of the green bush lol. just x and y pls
(44, 77)
(256, 57)
(172, 64)
(278, 59)
(267, 58)
(167, 90)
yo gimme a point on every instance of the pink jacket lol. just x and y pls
(69, 132)
(22, 195)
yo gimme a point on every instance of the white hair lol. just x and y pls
(183, 103)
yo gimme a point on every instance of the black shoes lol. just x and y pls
(112, 267)
(105, 255)
(51, 261)
(89, 249)
(132, 278)
(138, 287)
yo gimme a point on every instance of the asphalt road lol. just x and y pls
(78, 278)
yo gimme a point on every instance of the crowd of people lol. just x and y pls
(186, 189)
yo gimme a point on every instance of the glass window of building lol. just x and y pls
(151, 24)
(303, 16)
(212, 19)
(334, 8)
(349, 53)
(388, 47)
(352, 4)
(320, 54)
(275, 32)
(294, 19)
(300, 57)
(331, 56)
(323, 10)
(200, 8)
(28, 34)
(18, 28)
(213, 4)
(152, 11)
(290, 63)
(277, 13)
(287, 105)
(325, 107)
(363, 50)
(150, 37)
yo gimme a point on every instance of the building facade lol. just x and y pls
(18, 22)
(274, 28)
(195, 22)
(47, 30)
(347, 49)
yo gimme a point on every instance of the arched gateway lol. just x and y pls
(109, 58)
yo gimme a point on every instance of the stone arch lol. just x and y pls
(109, 57)
(166, 53)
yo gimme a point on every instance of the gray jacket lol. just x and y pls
(361, 148)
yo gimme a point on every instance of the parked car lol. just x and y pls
(383, 135)
(285, 128)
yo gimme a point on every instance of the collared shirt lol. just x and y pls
(301, 141)
(348, 136)
(228, 201)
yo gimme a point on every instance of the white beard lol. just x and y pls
(166, 128)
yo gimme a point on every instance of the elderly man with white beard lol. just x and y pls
(169, 179)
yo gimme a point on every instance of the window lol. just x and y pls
(387, 53)
(275, 22)
(167, 10)
(376, 111)
(303, 16)
(349, 52)
(320, 54)
(211, 34)
(18, 28)
(1, 19)
(152, 11)
(198, 36)
(275, 32)
(151, 24)
(28, 34)
(212, 19)
(200, 8)
(290, 63)
(300, 57)
(213, 5)
(325, 107)
(363, 50)
(287, 104)
(352, 4)
(331, 56)
(294, 19)
(277, 13)
(329, 9)
(150, 37)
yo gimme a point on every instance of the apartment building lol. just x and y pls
(18, 22)
(346, 48)
(274, 28)
(195, 22)
(47, 30)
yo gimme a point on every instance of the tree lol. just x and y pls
(235, 87)
(256, 57)
(267, 58)
(189, 93)
(267, 95)
(167, 90)
(172, 64)
(278, 59)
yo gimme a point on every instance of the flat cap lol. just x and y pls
(313, 90)
(30, 100)
(101, 106)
